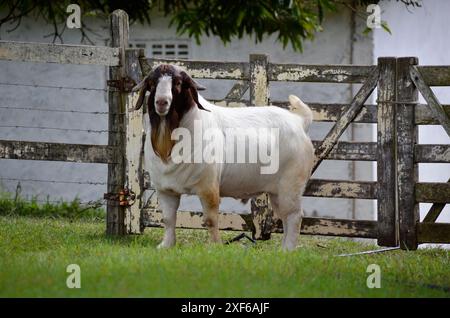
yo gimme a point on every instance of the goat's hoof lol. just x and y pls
(164, 245)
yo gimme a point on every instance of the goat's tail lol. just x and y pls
(300, 108)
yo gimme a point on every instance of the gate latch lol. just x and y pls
(125, 197)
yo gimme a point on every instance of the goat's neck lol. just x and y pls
(190, 117)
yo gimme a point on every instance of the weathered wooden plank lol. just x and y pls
(133, 147)
(424, 116)
(337, 227)
(344, 150)
(433, 192)
(432, 153)
(235, 222)
(320, 73)
(386, 92)
(203, 69)
(435, 75)
(262, 213)
(434, 212)
(347, 117)
(58, 53)
(115, 213)
(341, 189)
(407, 170)
(29, 150)
(433, 232)
(194, 220)
(436, 108)
(238, 90)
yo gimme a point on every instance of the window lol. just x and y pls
(163, 49)
(170, 50)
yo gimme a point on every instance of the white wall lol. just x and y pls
(423, 32)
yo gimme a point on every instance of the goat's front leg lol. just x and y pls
(169, 204)
(210, 200)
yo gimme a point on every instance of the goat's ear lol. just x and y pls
(142, 88)
(193, 86)
(198, 86)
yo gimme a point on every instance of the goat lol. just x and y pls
(174, 103)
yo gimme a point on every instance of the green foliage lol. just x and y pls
(35, 253)
(292, 20)
(73, 210)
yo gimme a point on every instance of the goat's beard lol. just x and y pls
(161, 132)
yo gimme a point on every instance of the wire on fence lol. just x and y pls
(57, 87)
(86, 204)
(54, 181)
(64, 129)
(92, 203)
(62, 111)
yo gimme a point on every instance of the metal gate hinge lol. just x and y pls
(125, 197)
(124, 84)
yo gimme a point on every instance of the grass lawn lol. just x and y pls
(34, 254)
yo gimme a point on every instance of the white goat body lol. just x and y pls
(210, 181)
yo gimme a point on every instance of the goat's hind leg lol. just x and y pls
(210, 200)
(291, 214)
(169, 204)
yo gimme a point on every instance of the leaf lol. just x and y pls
(367, 31)
(385, 26)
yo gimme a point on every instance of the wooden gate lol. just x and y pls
(396, 151)
(256, 75)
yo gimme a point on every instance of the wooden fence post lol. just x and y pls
(262, 213)
(116, 172)
(407, 170)
(386, 166)
(134, 143)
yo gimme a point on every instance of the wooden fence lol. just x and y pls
(397, 114)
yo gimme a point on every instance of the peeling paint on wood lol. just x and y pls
(434, 212)
(435, 75)
(341, 189)
(58, 53)
(262, 212)
(203, 69)
(386, 207)
(432, 192)
(28, 150)
(235, 222)
(132, 163)
(407, 170)
(424, 116)
(116, 100)
(133, 147)
(347, 117)
(344, 150)
(432, 153)
(436, 108)
(194, 220)
(238, 90)
(320, 73)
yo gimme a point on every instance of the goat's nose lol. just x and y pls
(162, 103)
